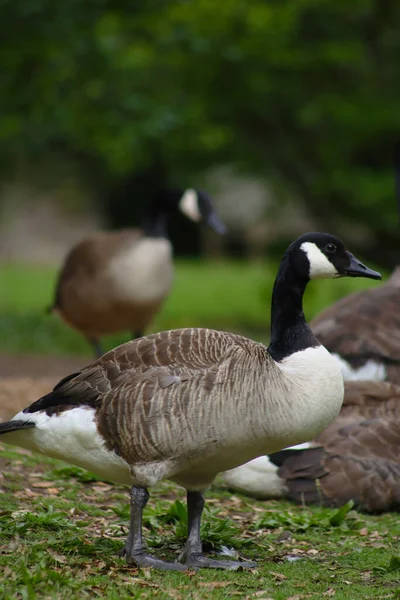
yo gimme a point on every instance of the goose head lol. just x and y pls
(197, 206)
(324, 256)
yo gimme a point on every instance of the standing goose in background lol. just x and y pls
(118, 280)
(187, 404)
(356, 458)
(362, 331)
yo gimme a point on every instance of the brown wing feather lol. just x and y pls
(84, 298)
(181, 352)
(151, 395)
(349, 326)
(85, 261)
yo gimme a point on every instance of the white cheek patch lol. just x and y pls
(189, 205)
(320, 266)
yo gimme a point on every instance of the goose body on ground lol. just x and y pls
(362, 331)
(187, 404)
(118, 280)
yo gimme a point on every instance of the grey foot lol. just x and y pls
(145, 560)
(198, 561)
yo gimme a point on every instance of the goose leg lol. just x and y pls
(193, 553)
(98, 351)
(135, 550)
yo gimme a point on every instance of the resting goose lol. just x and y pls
(362, 331)
(356, 458)
(118, 280)
(187, 404)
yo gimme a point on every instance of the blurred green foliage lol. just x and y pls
(304, 92)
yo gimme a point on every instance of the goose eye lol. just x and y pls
(330, 248)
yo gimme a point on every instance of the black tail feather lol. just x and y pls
(9, 426)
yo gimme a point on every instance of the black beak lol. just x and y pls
(357, 269)
(215, 223)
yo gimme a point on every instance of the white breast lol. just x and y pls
(71, 436)
(308, 396)
(143, 271)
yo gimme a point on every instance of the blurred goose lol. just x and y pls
(362, 331)
(356, 458)
(118, 280)
(187, 404)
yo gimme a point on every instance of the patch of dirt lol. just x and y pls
(30, 365)
(25, 378)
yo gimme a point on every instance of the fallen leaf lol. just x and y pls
(58, 557)
(214, 584)
(363, 531)
(375, 534)
(312, 551)
(42, 484)
(278, 576)
(139, 581)
(329, 592)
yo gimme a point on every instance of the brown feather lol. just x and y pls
(84, 298)
(145, 390)
(365, 325)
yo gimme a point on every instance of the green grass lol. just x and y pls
(232, 296)
(61, 531)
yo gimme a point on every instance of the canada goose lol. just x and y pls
(187, 404)
(118, 280)
(362, 331)
(356, 458)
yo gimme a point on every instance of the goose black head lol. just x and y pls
(324, 256)
(195, 204)
(198, 206)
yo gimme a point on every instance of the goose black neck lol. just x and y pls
(289, 330)
(154, 222)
